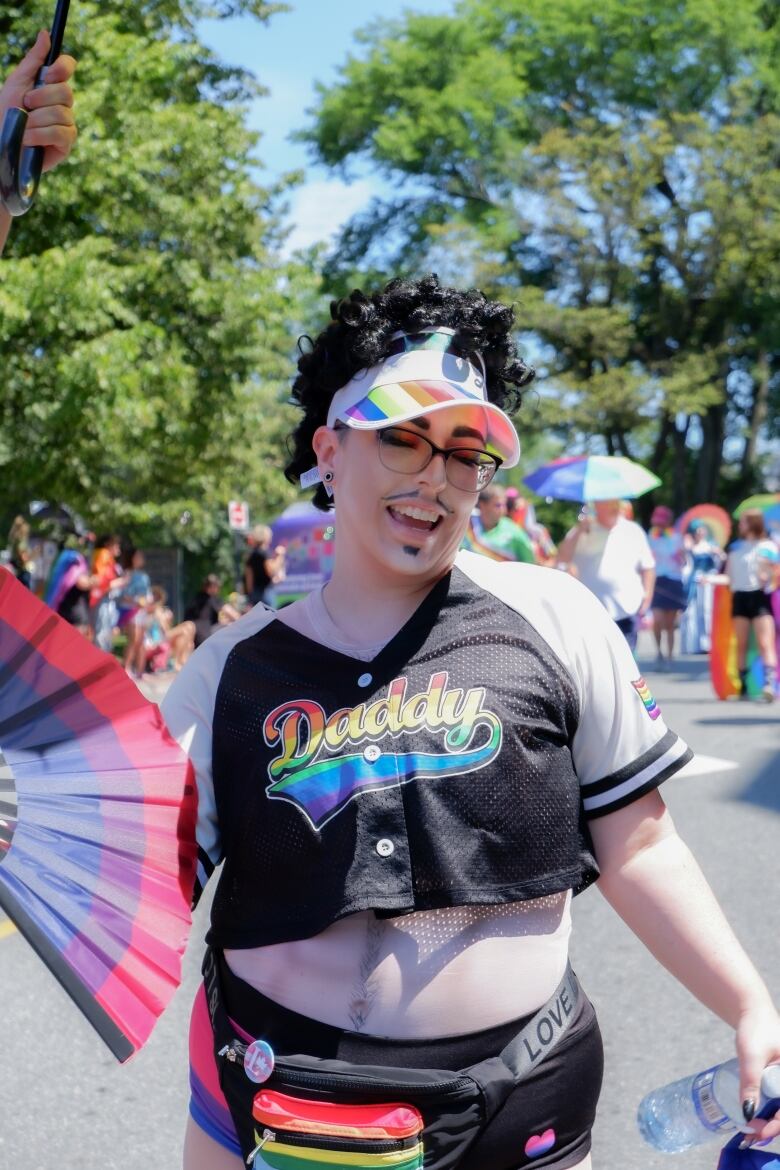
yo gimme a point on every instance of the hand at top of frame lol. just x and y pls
(50, 108)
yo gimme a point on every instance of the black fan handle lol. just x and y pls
(21, 167)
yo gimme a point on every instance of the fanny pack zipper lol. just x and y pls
(306, 1079)
(344, 1145)
(338, 1145)
(341, 1081)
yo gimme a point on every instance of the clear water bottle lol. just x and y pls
(697, 1108)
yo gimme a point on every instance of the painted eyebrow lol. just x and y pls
(457, 433)
(468, 433)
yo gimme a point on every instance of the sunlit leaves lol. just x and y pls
(147, 324)
(613, 168)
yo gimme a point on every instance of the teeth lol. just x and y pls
(416, 513)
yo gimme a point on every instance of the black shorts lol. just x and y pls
(545, 1122)
(750, 604)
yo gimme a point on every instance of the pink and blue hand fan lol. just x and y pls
(97, 822)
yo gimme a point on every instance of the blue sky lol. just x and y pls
(296, 49)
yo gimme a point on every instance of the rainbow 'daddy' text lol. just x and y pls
(307, 771)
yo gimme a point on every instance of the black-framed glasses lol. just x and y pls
(408, 452)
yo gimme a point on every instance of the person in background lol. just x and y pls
(705, 557)
(109, 582)
(262, 567)
(516, 507)
(669, 594)
(208, 610)
(523, 514)
(74, 604)
(163, 639)
(134, 609)
(752, 570)
(50, 123)
(19, 548)
(493, 534)
(612, 557)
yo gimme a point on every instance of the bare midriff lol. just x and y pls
(432, 973)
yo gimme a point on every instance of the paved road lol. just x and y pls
(67, 1104)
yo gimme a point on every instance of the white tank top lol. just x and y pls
(432, 973)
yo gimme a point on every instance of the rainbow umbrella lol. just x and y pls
(768, 503)
(712, 516)
(97, 822)
(592, 477)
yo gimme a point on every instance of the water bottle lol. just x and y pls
(697, 1108)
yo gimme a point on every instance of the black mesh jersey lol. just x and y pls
(444, 772)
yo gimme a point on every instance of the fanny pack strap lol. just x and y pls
(224, 1032)
(545, 1030)
(499, 1076)
(523, 1053)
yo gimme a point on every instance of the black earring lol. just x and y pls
(327, 477)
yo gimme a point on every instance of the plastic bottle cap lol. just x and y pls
(770, 1082)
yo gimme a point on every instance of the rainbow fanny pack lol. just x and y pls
(299, 1112)
(296, 1132)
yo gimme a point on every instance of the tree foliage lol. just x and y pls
(147, 323)
(614, 169)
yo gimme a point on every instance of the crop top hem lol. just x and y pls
(576, 877)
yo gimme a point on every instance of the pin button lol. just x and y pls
(365, 680)
(385, 847)
(372, 753)
(259, 1061)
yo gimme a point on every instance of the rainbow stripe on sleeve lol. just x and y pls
(646, 695)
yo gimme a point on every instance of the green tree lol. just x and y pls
(147, 322)
(613, 168)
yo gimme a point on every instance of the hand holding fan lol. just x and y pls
(20, 166)
(97, 822)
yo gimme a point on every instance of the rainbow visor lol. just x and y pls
(417, 382)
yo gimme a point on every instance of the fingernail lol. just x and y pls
(748, 1109)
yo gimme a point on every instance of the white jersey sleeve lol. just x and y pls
(188, 711)
(621, 748)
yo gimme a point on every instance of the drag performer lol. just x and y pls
(51, 123)
(408, 774)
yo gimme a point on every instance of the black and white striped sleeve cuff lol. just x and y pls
(203, 872)
(640, 776)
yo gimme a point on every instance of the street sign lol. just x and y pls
(238, 515)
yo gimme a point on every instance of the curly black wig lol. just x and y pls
(359, 334)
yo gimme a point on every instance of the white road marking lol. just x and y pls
(706, 766)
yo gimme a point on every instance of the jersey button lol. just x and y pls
(385, 847)
(372, 753)
(365, 680)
